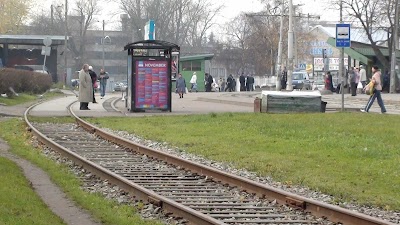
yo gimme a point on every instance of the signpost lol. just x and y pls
(342, 41)
(343, 35)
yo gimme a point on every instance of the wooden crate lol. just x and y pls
(290, 102)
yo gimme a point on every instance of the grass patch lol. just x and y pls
(16, 100)
(348, 155)
(106, 211)
(26, 98)
(19, 203)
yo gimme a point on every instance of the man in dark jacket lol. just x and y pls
(229, 83)
(93, 75)
(242, 81)
(209, 80)
(284, 79)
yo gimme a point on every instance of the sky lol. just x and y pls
(232, 8)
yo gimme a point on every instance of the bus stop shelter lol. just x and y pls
(151, 65)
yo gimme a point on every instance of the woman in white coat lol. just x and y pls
(193, 82)
(85, 88)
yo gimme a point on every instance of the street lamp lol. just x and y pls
(66, 39)
(279, 67)
(103, 45)
(395, 44)
(289, 85)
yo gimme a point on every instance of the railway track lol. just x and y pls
(200, 194)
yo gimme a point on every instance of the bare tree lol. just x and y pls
(255, 39)
(373, 16)
(185, 22)
(84, 11)
(79, 21)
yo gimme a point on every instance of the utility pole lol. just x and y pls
(103, 39)
(66, 40)
(52, 17)
(341, 61)
(395, 43)
(289, 85)
(279, 66)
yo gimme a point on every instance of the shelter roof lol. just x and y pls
(30, 39)
(196, 57)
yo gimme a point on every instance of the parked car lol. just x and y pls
(34, 68)
(300, 80)
(120, 85)
(318, 85)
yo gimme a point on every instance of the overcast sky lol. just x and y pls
(232, 8)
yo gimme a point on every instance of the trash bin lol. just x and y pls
(323, 106)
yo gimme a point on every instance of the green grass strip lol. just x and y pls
(19, 203)
(352, 156)
(106, 211)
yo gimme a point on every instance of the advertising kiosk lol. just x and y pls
(149, 75)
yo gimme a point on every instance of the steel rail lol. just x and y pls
(333, 213)
(316, 208)
(139, 192)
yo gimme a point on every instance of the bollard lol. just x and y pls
(257, 105)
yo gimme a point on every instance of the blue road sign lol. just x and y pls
(302, 66)
(343, 35)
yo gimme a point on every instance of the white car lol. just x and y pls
(318, 85)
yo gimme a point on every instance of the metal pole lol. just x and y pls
(52, 17)
(103, 44)
(66, 39)
(395, 42)
(341, 62)
(289, 86)
(279, 67)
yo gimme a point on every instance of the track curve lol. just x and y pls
(198, 193)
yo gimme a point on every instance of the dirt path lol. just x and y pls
(51, 194)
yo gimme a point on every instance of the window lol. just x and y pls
(191, 66)
(187, 66)
(196, 66)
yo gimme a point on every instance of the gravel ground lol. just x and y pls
(392, 216)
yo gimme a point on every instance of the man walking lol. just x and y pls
(103, 82)
(85, 88)
(193, 82)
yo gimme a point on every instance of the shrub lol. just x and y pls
(23, 81)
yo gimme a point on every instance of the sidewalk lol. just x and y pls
(192, 103)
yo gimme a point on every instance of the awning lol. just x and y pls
(350, 52)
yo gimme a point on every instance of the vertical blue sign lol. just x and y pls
(149, 30)
(343, 35)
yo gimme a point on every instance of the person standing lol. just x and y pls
(223, 85)
(103, 83)
(353, 84)
(229, 83)
(85, 88)
(208, 81)
(193, 82)
(284, 79)
(93, 75)
(251, 83)
(363, 76)
(180, 85)
(242, 81)
(376, 80)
